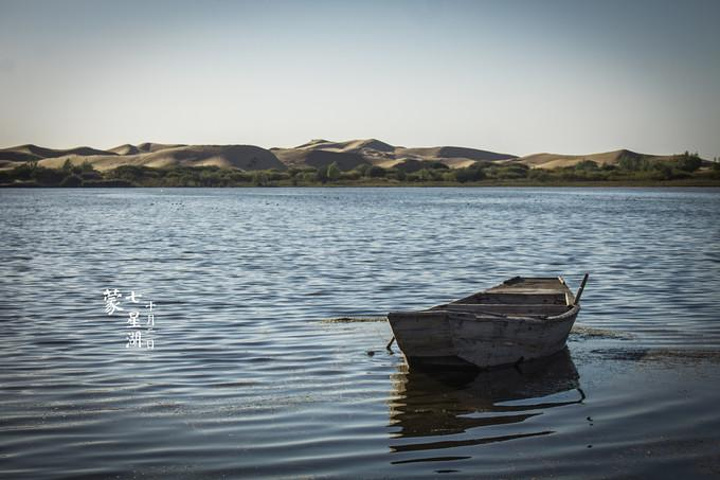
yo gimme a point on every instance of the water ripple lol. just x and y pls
(248, 377)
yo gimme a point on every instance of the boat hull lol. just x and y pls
(424, 337)
(490, 342)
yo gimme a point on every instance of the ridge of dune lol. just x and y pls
(312, 143)
(370, 144)
(317, 153)
(354, 146)
(242, 157)
(453, 152)
(151, 147)
(31, 152)
(554, 160)
(125, 149)
(376, 152)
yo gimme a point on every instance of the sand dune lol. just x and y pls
(301, 157)
(435, 153)
(100, 162)
(407, 165)
(354, 146)
(553, 160)
(311, 143)
(147, 147)
(156, 147)
(30, 152)
(316, 153)
(292, 157)
(454, 163)
(243, 157)
(126, 149)
(385, 155)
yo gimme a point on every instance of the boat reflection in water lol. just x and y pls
(456, 404)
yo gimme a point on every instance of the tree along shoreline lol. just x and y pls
(684, 171)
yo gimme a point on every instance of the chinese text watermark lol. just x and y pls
(141, 328)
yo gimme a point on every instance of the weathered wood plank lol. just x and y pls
(517, 298)
(504, 308)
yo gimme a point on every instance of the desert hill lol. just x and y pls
(302, 157)
(553, 160)
(349, 146)
(439, 153)
(30, 152)
(242, 157)
(352, 153)
(318, 153)
(128, 149)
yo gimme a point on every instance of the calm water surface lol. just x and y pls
(249, 379)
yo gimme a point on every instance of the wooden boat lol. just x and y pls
(521, 319)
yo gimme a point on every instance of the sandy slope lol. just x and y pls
(407, 165)
(352, 153)
(29, 152)
(453, 152)
(126, 149)
(349, 146)
(244, 157)
(553, 160)
(299, 158)
(317, 153)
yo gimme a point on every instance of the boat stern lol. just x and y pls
(424, 336)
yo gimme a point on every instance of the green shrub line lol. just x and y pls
(682, 170)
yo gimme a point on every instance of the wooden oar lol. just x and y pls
(582, 287)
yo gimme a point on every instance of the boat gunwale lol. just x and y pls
(457, 305)
(574, 309)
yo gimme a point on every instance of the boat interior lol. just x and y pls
(531, 297)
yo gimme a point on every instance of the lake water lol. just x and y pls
(247, 378)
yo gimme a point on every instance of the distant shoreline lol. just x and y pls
(686, 170)
(683, 183)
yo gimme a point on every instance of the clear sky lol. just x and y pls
(521, 77)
